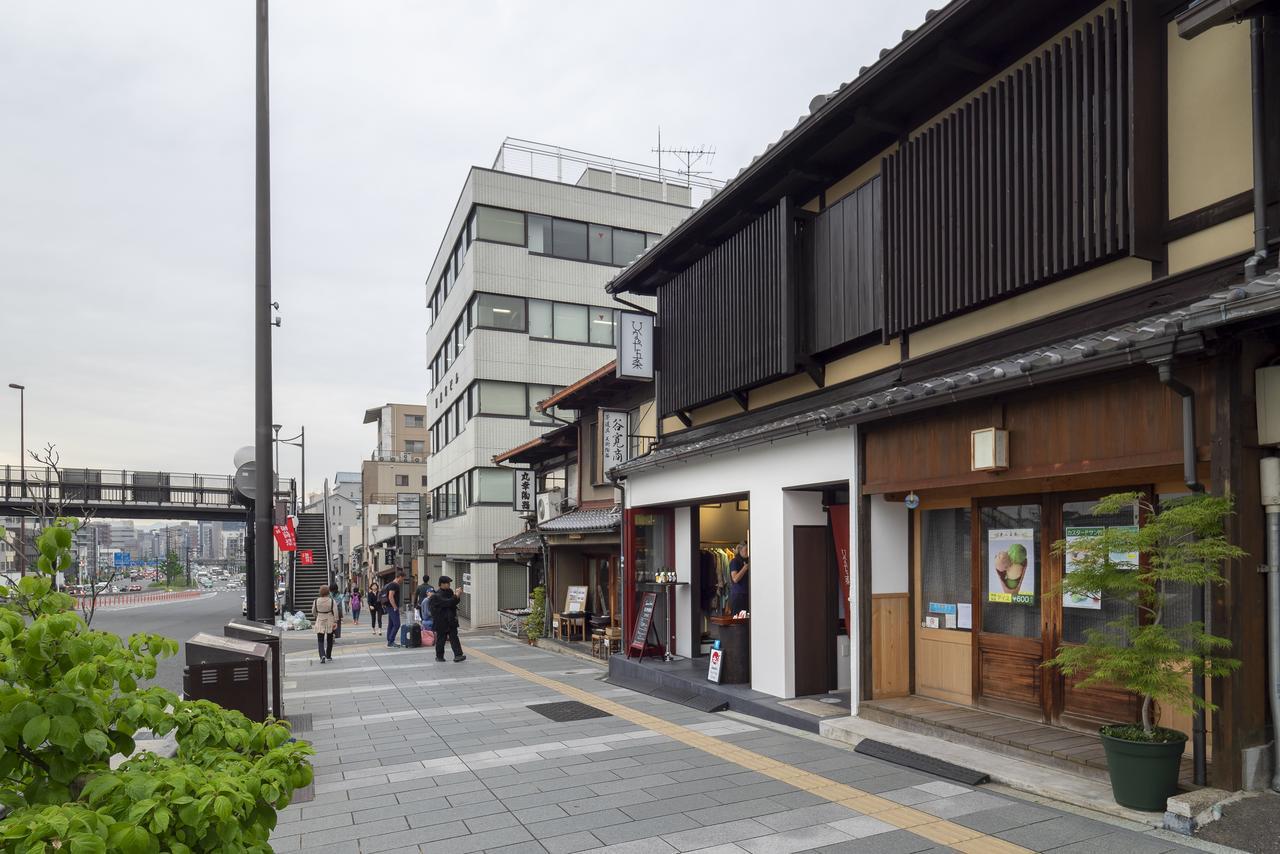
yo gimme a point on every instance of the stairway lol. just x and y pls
(305, 581)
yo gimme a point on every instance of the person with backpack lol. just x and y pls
(390, 601)
(422, 592)
(443, 605)
(375, 612)
(325, 615)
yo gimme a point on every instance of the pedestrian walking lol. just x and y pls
(375, 612)
(355, 606)
(391, 593)
(325, 617)
(443, 605)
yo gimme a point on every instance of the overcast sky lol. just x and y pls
(126, 186)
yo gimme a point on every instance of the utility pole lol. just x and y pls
(264, 574)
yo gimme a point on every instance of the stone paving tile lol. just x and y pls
(570, 843)
(639, 846)
(862, 826)
(995, 820)
(711, 835)
(1055, 832)
(958, 805)
(824, 813)
(897, 842)
(570, 824)
(668, 806)
(742, 809)
(1121, 841)
(643, 828)
(529, 847)
(789, 841)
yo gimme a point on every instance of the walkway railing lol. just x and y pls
(81, 486)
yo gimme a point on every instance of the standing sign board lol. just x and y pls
(644, 623)
(635, 346)
(713, 670)
(613, 438)
(408, 514)
(523, 500)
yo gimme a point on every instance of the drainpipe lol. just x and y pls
(1270, 482)
(1257, 30)
(1165, 369)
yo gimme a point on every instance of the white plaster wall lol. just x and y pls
(890, 548)
(763, 473)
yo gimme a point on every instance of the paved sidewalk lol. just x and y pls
(415, 755)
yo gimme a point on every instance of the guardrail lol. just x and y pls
(111, 600)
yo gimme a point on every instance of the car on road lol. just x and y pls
(244, 606)
(135, 588)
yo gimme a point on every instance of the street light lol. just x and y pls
(22, 467)
(298, 441)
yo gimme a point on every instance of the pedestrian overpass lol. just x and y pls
(108, 493)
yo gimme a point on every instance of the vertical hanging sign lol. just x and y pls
(839, 515)
(613, 438)
(524, 491)
(635, 346)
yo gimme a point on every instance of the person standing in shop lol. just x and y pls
(739, 588)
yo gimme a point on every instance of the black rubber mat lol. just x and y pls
(569, 710)
(920, 762)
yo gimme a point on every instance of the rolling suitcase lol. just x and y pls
(415, 636)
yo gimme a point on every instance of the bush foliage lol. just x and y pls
(70, 700)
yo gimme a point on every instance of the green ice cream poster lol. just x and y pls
(1011, 567)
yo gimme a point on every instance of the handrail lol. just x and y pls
(122, 487)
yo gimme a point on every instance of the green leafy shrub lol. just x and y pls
(1183, 542)
(535, 624)
(70, 700)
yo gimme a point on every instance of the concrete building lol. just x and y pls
(517, 311)
(397, 467)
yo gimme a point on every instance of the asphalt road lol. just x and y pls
(177, 620)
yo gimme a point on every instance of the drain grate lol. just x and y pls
(569, 710)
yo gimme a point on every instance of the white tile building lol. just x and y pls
(518, 309)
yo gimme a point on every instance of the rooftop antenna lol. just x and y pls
(689, 159)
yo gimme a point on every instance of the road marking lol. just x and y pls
(920, 823)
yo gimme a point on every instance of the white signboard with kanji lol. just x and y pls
(635, 346)
(523, 501)
(613, 438)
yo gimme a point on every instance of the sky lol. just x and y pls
(127, 181)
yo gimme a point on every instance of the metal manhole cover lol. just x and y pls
(569, 710)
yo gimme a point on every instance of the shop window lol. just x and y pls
(500, 225)
(945, 556)
(651, 554)
(1011, 570)
(1081, 613)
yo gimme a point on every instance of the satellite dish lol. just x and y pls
(247, 454)
(245, 480)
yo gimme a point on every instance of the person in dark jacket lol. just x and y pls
(443, 605)
(375, 613)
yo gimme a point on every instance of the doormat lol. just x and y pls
(569, 710)
(920, 762)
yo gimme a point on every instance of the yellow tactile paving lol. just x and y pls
(923, 824)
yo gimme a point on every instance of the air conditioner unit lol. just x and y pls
(549, 504)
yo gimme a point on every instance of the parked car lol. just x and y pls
(244, 606)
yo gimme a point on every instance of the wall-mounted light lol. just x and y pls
(989, 449)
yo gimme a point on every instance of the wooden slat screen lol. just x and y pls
(726, 321)
(1026, 183)
(845, 252)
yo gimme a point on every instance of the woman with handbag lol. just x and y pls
(324, 614)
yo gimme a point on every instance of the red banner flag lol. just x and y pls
(840, 532)
(306, 557)
(286, 537)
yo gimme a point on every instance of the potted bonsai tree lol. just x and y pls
(1181, 542)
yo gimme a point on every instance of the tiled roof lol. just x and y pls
(584, 520)
(526, 542)
(1081, 355)
(598, 373)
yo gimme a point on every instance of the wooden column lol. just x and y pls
(1238, 607)
(862, 506)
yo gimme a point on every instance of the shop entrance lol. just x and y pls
(1023, 619)
(722, 526)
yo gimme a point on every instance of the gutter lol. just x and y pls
(1257, 32)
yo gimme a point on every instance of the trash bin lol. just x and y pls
(229, 671)
(273, 637)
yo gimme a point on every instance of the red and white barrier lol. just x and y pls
(111, 600)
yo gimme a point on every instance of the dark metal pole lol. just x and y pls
(22, 466)
(263, 565)
(302, 434)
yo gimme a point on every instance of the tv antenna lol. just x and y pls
(689, 158)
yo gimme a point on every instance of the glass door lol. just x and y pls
(1079, 614)
(1009, 559)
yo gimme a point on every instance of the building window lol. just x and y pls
(414, 422)
(402, 480)
(627, 245)
(537, 394)
(415, 446)
(602, 325)
(500, 225)
(500, 398)
(600, 244)
(498, 312)
(424, 480)
(492, 486)
(539, 234)
(540, 319)
(570, 322)
(569, 239)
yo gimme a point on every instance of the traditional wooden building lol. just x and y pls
(1017, 262)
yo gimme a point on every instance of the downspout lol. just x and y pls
(1257, 30)
(1164, 367)
(1270, 482)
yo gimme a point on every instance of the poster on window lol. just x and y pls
(1011, 570)
(1091, 601)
